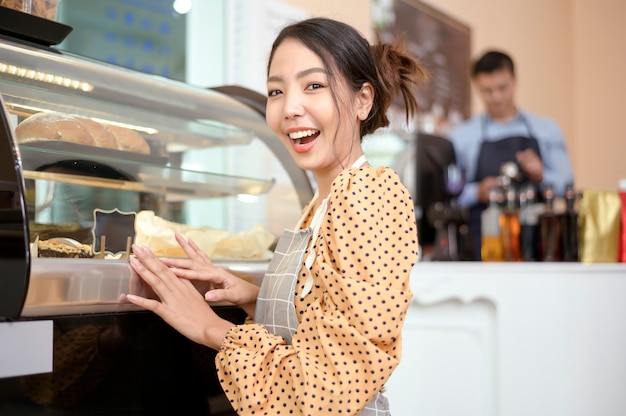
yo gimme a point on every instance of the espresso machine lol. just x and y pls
(449, 219)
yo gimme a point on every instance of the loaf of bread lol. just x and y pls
(102, 137)
(129, 140)
(55, 126)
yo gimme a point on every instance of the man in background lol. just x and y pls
(505, 134)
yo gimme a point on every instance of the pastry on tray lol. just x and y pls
(64, 248)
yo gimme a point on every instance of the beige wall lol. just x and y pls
(571, 66)
(355, 12)
(599, 72)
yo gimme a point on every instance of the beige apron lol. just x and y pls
(275, 304)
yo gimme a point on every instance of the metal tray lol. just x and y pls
(32, 28)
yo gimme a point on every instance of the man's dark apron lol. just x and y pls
(275, 307)
(491, 156)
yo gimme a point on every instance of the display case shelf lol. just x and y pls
(172, 134)
(69, 286)
(161, 179)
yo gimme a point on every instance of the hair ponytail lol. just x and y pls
(399, 74)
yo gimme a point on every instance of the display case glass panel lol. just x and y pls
(180, 160)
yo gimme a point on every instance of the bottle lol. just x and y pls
(549, 227)
(510, 227)
(491, 238)
(569, 226)
(622, 234)
(529, 223)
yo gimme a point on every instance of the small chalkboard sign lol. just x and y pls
(113, 229)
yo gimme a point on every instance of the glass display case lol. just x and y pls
(208, 151)
(208, 165)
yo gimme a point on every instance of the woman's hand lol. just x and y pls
(179, 303)
(139, 287)
(218, 283)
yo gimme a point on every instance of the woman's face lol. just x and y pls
(302, 112)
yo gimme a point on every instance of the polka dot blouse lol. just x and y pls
(348, 341)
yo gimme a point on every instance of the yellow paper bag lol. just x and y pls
(599, 218)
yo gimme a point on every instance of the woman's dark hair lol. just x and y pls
(493, 61)
(388, 67)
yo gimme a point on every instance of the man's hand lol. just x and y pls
(484, 186)
(531, 164)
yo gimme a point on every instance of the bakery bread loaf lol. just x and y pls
(102, 137)
(129, 140)
(55, 126)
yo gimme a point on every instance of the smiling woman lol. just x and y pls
(328, 317)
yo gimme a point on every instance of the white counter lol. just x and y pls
(513, 339)
(25, 348)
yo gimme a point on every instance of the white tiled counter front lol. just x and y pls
(513, 339)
